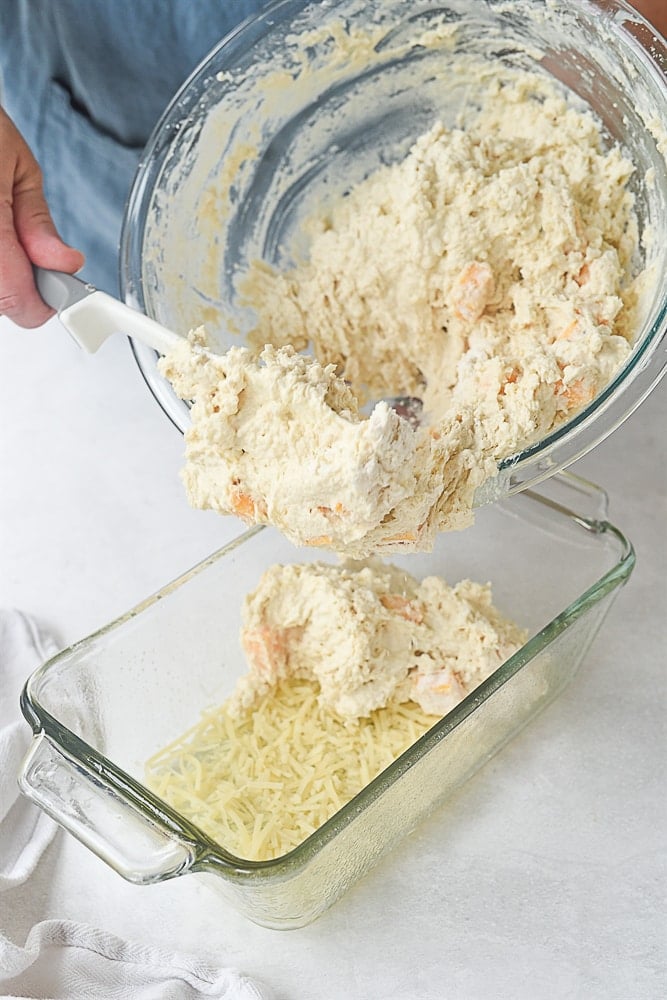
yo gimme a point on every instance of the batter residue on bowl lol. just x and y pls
(487, 274)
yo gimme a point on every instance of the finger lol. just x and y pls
(19, 299)
(27, 233)
(36, 230)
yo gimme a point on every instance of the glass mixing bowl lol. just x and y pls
(308, 98)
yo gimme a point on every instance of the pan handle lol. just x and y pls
(111, 827)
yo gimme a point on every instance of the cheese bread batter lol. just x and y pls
(485, 274)
(349, 666)
(370, 635)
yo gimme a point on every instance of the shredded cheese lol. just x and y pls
(259, 782)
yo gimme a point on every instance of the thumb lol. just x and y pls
(37, 232)
(27, 233)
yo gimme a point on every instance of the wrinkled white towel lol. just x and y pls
(25, 831)
(67, 961)
(63, 960)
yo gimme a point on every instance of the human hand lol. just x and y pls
(27, 233)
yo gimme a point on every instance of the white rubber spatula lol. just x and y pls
(92, 316)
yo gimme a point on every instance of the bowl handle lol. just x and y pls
(96, 815)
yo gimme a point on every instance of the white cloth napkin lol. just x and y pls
(63, 960)
(25, 831)
(67, 961)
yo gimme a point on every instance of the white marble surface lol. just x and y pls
(544, 878)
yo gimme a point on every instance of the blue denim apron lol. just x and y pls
(85, 81)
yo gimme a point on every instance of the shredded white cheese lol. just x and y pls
(259, 782)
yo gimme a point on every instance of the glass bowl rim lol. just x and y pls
(633, 381)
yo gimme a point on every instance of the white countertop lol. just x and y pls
(545, 877)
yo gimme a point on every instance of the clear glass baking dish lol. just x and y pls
(278, 118)
(104, 706)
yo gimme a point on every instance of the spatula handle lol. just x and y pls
(60, 290)
(92, 316)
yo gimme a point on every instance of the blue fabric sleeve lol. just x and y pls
(85, 81)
